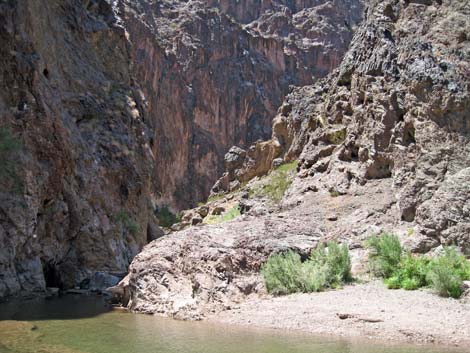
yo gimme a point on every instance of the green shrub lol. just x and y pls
(412, 271)
(385, 255)
(167, 218)
(444, 274)
(336, 260)
(410, 284)
(313, 278)
(393, 282)
(326, 268)
(283, 273)
(445, 282)
(447, 272)
(128, 223)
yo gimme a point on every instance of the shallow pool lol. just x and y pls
(86, 325)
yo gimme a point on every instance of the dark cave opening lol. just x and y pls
(51, 275)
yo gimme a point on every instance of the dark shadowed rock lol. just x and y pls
(76, 196)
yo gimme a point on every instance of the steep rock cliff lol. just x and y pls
(76, 167)
(214, 72)
(382, 144)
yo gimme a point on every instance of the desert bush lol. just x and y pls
(313, 277)
(445, 282)
(412, 271)
(335, 258)
(385, 254)
(282, 273)
(327, 267)
(447, 272)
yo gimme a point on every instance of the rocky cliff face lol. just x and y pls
(110, 109)
(214, 72)
(75, 157)
(382, 144)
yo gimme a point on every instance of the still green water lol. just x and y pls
(77, 324)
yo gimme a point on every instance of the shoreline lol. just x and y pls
(364, 312)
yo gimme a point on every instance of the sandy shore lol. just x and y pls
(362, 310)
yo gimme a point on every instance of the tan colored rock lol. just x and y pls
(189, 274)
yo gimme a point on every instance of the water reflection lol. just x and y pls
(69, 307)
(77, 324)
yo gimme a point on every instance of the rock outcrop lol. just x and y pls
(382, 144)
(206, 268)
(75, 158)
(214, 72)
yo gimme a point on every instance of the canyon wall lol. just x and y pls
(396, 110)
(111, 109)
(74, 154)
(213, 74)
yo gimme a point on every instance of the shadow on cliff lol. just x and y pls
(67, 307)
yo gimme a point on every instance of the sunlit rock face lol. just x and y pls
(214, 73)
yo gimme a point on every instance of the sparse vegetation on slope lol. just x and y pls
(326, 268)
(232, 213)
(276, 183)
(400, 269)
(167, 218)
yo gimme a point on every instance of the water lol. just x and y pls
(77, 324)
